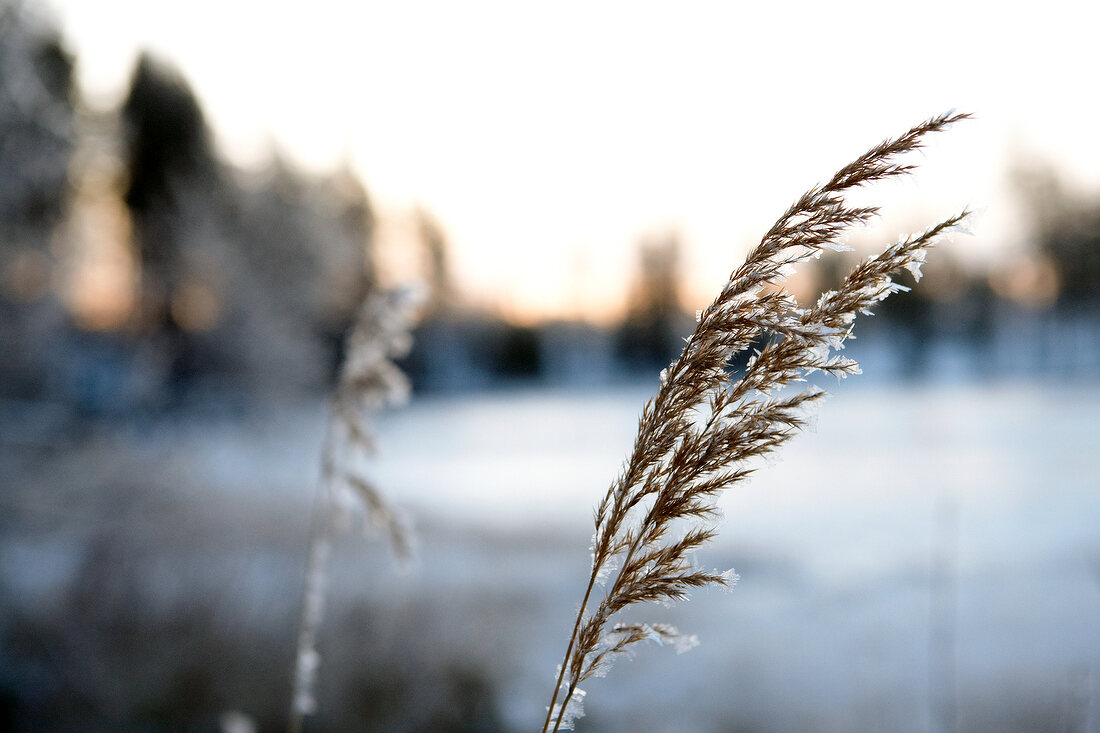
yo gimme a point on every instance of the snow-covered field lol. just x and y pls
(928, 549)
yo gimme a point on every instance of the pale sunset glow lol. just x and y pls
(548, 140)
(102, 281)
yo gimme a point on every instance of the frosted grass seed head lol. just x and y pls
(708, 424)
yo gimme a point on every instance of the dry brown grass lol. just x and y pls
(702, 431)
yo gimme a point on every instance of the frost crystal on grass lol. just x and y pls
(729, 578)
(605, 571)
(567, 714)
(838, 246)
(685, 643)
(914, 265)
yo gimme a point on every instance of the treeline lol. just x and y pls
(139, 270)
(455, 347)
(1036, 313)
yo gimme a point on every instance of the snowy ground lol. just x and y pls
(927, 549)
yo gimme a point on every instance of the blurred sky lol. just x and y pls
(547, 138)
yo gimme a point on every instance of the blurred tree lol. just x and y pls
(437, 261)
(651, 334)
(175, 189)
(1066, 231)
(36, 144)
(169, 141)
(307, 240)
(246, 281)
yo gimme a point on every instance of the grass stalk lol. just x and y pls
(368, 380)
(711, 421)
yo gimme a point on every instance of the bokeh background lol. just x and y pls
(195, 197)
